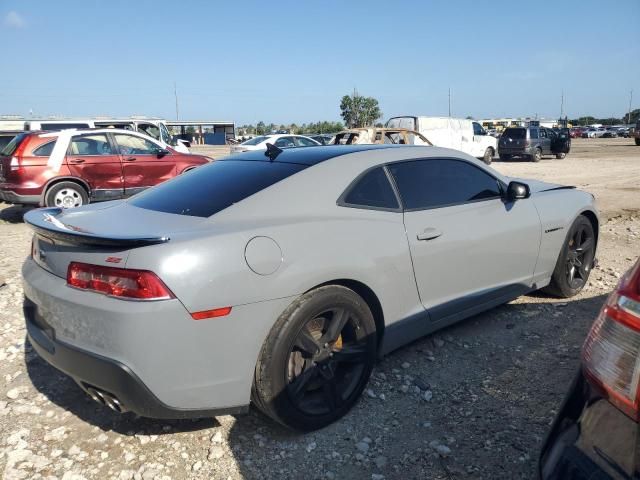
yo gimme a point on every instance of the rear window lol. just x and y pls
(255, 140)
(515, 133)
(211, 188)
(13, 145)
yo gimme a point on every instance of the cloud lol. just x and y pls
(14, 20)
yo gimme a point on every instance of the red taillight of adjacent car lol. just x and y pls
(611, 353)
(117, 282)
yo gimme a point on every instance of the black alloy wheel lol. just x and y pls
(326, 362)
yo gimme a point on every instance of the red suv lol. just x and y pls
(70, 168)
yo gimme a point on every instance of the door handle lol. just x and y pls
(130, 159)
(77, 160)
(429, 234)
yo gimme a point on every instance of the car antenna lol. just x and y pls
(272, 151)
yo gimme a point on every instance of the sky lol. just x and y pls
(286, 61)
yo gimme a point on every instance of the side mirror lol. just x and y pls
(162, 152)
(517, 191)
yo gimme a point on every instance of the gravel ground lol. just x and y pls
(472, 401)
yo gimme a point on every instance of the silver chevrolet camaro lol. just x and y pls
(279, 278)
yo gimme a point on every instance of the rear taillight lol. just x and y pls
(611, 353)
(117, 282)
(15, 164)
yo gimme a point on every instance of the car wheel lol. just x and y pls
(317, 359)
(488, 156)
(66, 195)
(561, 156)
(537, 155)
(504, 157)
(575, 260)
(638, 141)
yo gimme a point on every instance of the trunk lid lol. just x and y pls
(100, 234)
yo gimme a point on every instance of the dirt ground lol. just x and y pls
(496, 380)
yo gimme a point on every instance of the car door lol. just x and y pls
(144, 162)
(479, 140)
(470, 248)
(93, 158)
(545, 141)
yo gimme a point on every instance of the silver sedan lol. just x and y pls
(278, 278)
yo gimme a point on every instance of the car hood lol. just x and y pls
(536, 186)
(110, 223)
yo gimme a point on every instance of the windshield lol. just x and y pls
(515, 133)
(211, 188)
(13, 145)
(255, 140)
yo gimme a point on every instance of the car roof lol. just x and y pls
(309, 155)
(86, 131)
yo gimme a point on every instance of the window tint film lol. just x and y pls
(437, 183)
(515, 133)
(13, 145)
(90, 145)
(44, 150)
(372, 190)
(213, 187)
(130, 145)
(533, 133)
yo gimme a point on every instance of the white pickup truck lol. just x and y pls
(457, 133)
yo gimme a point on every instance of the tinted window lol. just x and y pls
(533, 133)
(515, 133)
(44, 150)
(62, 126)
(305, 142)
(255, 140)
(90, 145)
(372, 190)
(214, 187)
(13, 145)
(436, 183)
(131, 145)
(477, 129)
(284, 142)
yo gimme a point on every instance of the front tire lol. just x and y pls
(66, 195)
(488, 155)
(317, 359)
(574, 261)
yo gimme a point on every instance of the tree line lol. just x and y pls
(631, 117)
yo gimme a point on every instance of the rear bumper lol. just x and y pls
(10, 196)
(95, 373)
(589, 439)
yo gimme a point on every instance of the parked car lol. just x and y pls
(6, 136)
(70, 168)
(622, 131)
(279, 140)
(375, 135)
(154, 128)
(280, 278)
(322, 138)
(636, 133)
(457, 133)
(576, 132)
(533, 142)
(595, 433)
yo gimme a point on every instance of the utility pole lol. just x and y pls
(629, 111)
(175, 94)
(449, 101)
(561, 104)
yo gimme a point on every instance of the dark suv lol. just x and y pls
(533, 142)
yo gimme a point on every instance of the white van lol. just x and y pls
(458, 133)
(156, 129)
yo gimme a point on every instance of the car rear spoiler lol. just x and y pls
(44, 222)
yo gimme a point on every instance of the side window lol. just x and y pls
(90, 145)
(477, 129)
(543, 133)
(149, 129)
(442, 182)
(44, 150)
(131, 145)
(284, 142)
(372, 190)
(533, 133)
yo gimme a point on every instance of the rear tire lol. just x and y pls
(537, 155)
(317, 359)
(488, 155)
(66, 195)
(574, 261)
